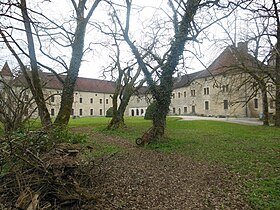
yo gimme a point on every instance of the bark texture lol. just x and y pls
(277, 66)
(34, 83)
(67, 97)
(162, 92)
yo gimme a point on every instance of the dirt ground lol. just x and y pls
(141, 178)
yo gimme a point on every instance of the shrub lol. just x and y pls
(150, 111)
(109, 112)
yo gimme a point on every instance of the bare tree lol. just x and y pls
(16, 108)
(41, 28)
(126, 70)
(266, 16)
(77, 46)
(186, 28)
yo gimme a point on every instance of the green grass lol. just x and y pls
(251, 151)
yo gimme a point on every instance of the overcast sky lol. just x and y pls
(95, 60)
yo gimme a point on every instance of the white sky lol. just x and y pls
(95, 60)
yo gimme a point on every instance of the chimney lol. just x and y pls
(242, 47)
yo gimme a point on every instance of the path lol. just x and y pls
(140, 178)
(244, 121)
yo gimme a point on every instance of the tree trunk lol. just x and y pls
(277, 68)
(265, 107)
(75, 62)
(117, 120)
(71, 78)
(35, 85)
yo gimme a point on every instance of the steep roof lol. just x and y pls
(50, 81)
(82, 84)
(230, 59)
(6, 71)
(186, 79)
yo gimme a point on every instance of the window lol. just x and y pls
(270, 88)
(137, 112)
(192, 92)
(91, 100)
(100, 111)
(272, 104)
(193, 108)
(173, 95)
(100, 100)
(206, 91)
(256, 103)
(52, 112)
(174, 110)
(179, 95)
(107, 101)
(185, 94)
(81, 100)
(185, 109)
(72, 112)
(26, 97)
(91, 112)
(81, 112)
(225, 104)
(142, 112)
(52, 98)
(225, 88)
(206, 105)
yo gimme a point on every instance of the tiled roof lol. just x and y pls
(50, 81)
(229, 60)
(82, 84)
(186, 79)
(6, 71)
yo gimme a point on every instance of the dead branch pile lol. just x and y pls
(43, 177)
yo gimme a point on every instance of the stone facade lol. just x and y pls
(214, 91)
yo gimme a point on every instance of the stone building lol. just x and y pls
(215, 91)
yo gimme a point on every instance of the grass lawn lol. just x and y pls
(251, 151)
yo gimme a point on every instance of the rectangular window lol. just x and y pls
(185, 94)
(256, 103)
(100, 100)
(26, 97)
(193, 109)
(185, 109)
(91, 100)
(174, 110)
(225, 104)
(52, 98)
(206, 91)
(272, 104)
(81, 112)
(179, 95)
(91, 112)
(192, 92)
(206, 103)
(52, 112)
(107, 101)
(81, 100)
(225, 88)
(100, 112)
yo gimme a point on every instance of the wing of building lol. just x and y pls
(223, 89)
